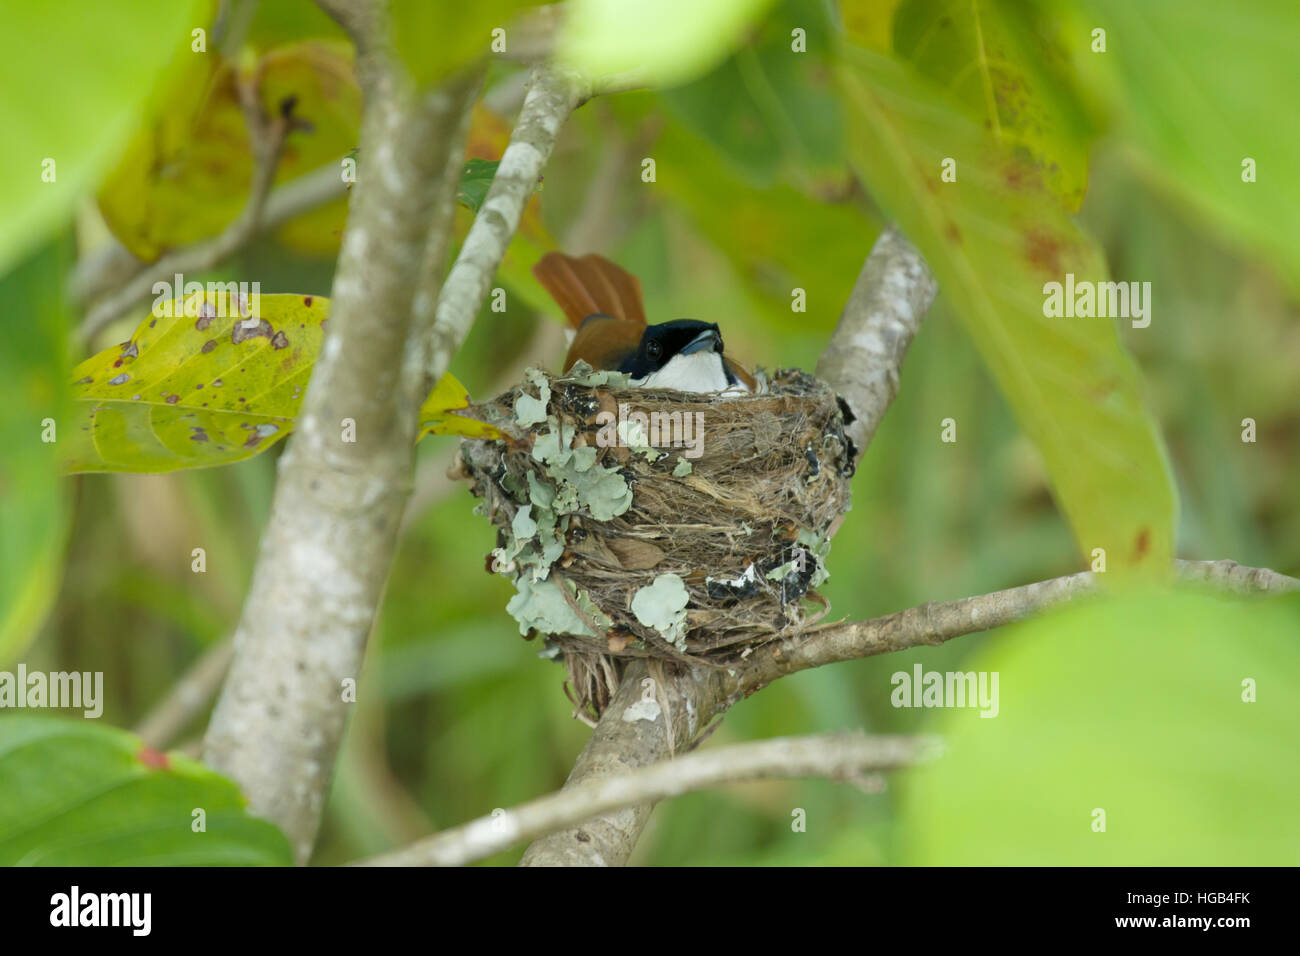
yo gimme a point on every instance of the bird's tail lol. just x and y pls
(590, 285)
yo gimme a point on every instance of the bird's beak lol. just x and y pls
(708, 339)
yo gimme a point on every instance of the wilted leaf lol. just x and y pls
(187, 172)
(80, 794)
(207, 386)
(994, 239)
(439, 413)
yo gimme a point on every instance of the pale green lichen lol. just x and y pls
(541, 606)
(584, 374)
(819, 546)
(570, 481)
(683, 468)
(661, 604)
(529, 410)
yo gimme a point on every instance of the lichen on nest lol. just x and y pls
(658, 524)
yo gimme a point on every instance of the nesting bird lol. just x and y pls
(603, 304)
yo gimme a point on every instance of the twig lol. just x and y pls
(263, 210)
(937, 622)
(187, 697)
(553, 94)
(836, 756)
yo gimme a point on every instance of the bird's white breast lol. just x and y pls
(697, 372)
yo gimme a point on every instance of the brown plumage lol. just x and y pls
(590, 285)
(602, 301)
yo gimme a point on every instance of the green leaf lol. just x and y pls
(1193, 126)
(475, 181)
(994, 239)
(435, 39)
(1002, 64)
(70, 100)
(202, 387)
(673, 40)
(440, 413)
(81, 794)
(1135, 708)
(186, 174)
(33, 395)
(768, 108)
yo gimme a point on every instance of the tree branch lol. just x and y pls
(866, 350)
(843, 756)
(937, 622)
(861, 362)
(346, 472)
(552, 96)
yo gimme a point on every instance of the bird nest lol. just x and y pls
(639, 523)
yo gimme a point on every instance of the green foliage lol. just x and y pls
(77, 793)
(435, 39)
(1134, 707)
(672, 40)
(475, 181)
(68, 100)
(998, 59)
(202, 385)
(994, 238)
(33, 395)
(1194, 126)
(776, 170)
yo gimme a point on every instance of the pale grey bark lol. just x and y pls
(332, 531)
(866, 350)
(843, 756)
(552, 95)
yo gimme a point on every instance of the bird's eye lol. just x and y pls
(653, 349)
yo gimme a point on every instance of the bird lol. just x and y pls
(603, 304)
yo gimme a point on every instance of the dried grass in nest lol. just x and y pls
(746, 529)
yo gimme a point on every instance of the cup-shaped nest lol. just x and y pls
(660, 524)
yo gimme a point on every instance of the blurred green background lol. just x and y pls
(757, 192)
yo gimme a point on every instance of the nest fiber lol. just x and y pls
(660, 524)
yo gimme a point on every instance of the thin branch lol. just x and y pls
(937, 622)
(264, 210)
(891, 295)
(836, 756)
(551, 97)
(188, 697)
